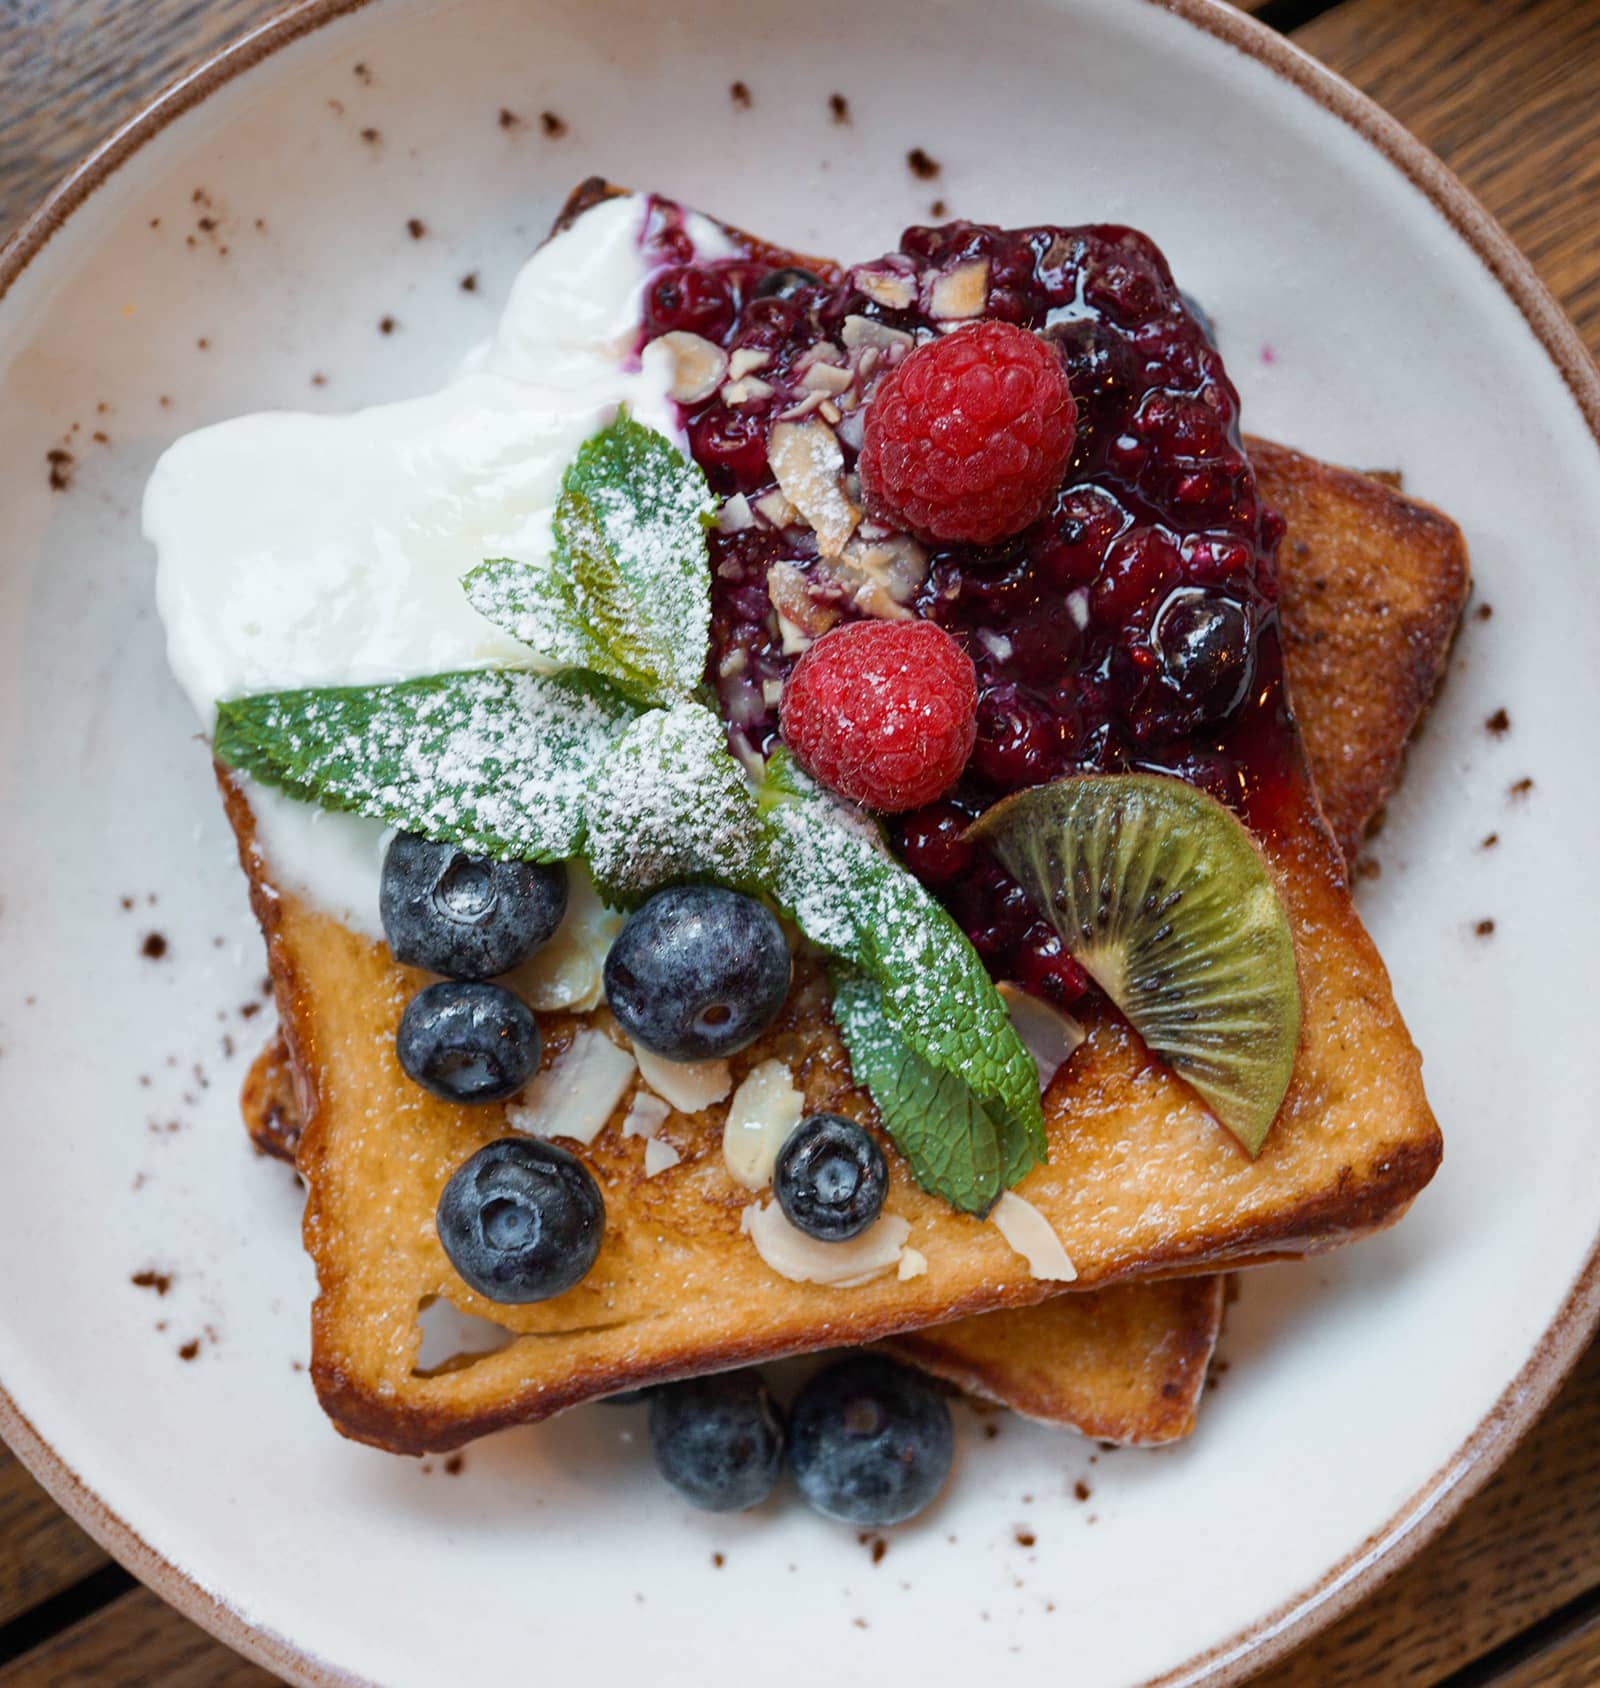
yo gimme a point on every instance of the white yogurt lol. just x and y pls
(299, 550)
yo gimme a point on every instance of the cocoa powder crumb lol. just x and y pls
(416, 228)
(62, 464)
(509, 119)
(938, 208)
(455, 1465)
(160, 1282)
(469, 282)
(387, 325)
(1499, 723)
(554, 127)
(923, 167)
(718, 1560)
(362, 75)
(190, 1349)
(1081, 1490)
(740, 95)
(371, 137)
(1522, 787)
(1484, 928)
(1025, 1538)
(840, 108)
(1484, 611)
(1490, 842)
(153, 947)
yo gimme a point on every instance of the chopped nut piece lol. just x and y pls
(826, 378)
(735, 516)
(746, 360)
(863, 331)
(777, 509)
(961, 292)
(742, 392)
(698, 367)
(881, 576)
(772, 691)
(829, 412)
(800, 617)
(808, 462)
(804, 408)
(895, 292)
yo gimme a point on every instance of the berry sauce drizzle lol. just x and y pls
(1134, 626)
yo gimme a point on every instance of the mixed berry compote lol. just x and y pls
(1133, 626)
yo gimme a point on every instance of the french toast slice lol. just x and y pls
(679, 1289)
(1373, 585)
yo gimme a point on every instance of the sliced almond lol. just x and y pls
(960, 293)
(742, 392)
(809, 464)
(746, 360)
(698, 367)
(863, 331)
(826, 378)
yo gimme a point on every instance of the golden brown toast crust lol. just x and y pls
(1373, 585)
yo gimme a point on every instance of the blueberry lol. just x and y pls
(465, 916)
(830, 1178)
(718, 1440)
(521, 1220)
(468, 1042)
(698, 972)
(784, 283)
(1204, 643)
(870, 1441)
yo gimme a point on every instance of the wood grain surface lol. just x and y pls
(1508, 93)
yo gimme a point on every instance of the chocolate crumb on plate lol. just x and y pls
(922, 166)
(1484, 928)
(469, 282)
(153, 947)
(1521, 788)
(416, 228)
(508, 119)
(387, 325)
(160, 1282)
(840, 108)
(1499, 723)
(190, 1350)
(62, 464)
(1483, 612)
(739, 93)
(554, 126)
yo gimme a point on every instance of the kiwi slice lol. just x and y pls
(1165, 900)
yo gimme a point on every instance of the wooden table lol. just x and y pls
(1508, 93)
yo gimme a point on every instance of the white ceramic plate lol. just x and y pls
(248, 235)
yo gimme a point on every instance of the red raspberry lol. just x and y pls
(970, 435)
(883, 712)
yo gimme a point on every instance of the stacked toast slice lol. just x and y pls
(1140, 1180)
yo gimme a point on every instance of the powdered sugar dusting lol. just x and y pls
(498, 762)
(671, 806)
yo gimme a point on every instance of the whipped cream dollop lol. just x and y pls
(304, 550)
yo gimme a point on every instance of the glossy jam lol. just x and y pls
(1133, 627)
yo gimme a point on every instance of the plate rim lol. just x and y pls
(1431, 1506)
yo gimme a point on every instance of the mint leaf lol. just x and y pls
(671, 805)
(498, 762)
(627, 589)
(833, 875)
(947, 1135)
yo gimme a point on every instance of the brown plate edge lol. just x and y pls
(1519, 1406)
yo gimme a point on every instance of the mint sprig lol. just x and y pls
(617, 759)
(834, 876)
(499, 762)
(626, 590)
